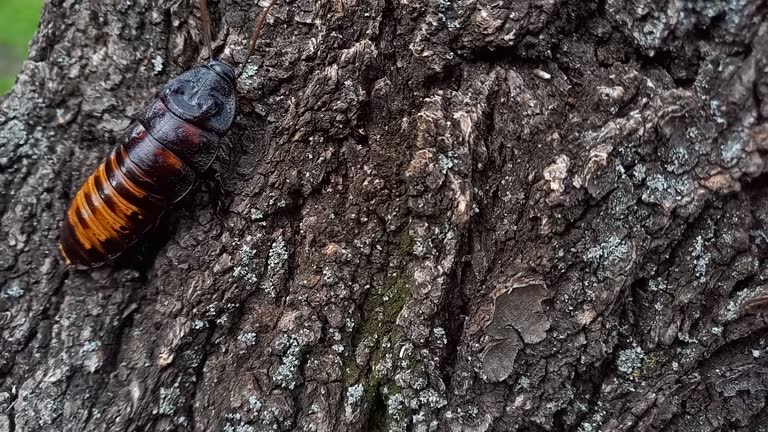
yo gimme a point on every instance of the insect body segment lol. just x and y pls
(172, 141)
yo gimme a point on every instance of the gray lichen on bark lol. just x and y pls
(438, 215)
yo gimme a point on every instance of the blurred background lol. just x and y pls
(18, 22)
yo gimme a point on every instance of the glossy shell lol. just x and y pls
(172, 141)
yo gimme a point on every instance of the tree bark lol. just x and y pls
(459, 216)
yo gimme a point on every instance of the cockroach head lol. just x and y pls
(204, 96)
(224, 70)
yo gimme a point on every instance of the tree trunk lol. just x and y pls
(435, 215)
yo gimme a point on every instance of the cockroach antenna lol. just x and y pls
(757, 304)
(206, 20)
(255, 36)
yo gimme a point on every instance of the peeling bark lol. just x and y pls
(459, 216)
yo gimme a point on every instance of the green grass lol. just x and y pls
(6, 83)
(18, 22)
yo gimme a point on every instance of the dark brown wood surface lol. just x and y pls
(436, 215)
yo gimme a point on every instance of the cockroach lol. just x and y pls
(157, 162)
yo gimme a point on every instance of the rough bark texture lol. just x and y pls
(471, 215)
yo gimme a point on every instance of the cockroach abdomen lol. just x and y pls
(188, 142)
(169, 176)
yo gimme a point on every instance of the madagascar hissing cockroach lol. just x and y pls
(170, 143)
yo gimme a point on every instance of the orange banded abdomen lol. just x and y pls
(122, 199)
